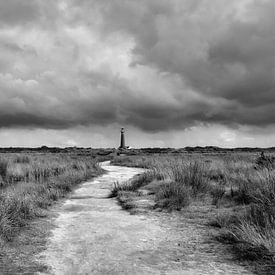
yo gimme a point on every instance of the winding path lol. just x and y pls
(94, 236)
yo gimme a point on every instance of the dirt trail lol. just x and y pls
(94, 236)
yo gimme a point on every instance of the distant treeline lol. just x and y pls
(155, 150)
(199, 149)
(99, 154)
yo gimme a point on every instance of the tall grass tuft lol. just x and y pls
(185, 180)
(173, 195)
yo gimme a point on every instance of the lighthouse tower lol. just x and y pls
(122, 139)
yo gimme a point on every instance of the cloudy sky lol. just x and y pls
(174, 73)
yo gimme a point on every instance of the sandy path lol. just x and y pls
(94, 236)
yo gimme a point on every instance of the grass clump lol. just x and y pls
(177, 181)
(172, 195)
(117, 188)
(187, 181)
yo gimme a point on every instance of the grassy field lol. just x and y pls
(239, 187)
(30, 183)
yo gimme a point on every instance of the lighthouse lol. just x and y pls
(122, 139)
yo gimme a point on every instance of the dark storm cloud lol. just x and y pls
(33, 121)
(218, 55)
(28, 13)
(15, 12)
(156, 64)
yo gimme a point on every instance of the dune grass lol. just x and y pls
(177, 179)
(241, 186)
(254, 224)
(31, 183)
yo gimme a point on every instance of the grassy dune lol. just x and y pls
(30, 183)
(241, 188)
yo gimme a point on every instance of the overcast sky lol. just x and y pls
(174, 73)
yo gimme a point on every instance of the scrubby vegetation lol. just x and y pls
(241, 187)
(30, 183)
(173, 180)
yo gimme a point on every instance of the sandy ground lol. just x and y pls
(94, 236)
